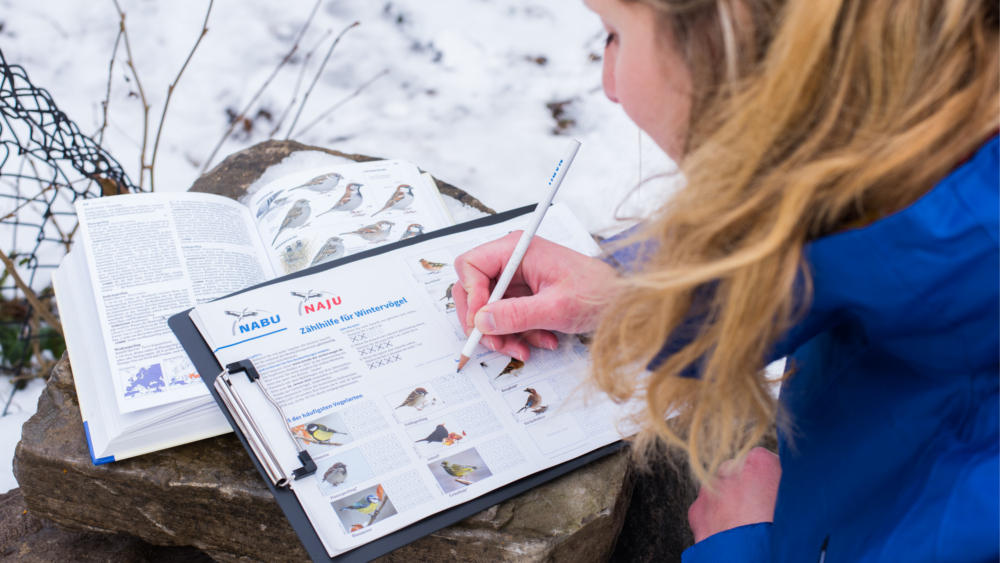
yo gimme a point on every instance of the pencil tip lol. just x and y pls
(461, 363)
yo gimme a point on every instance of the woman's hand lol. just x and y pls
(744, 494)
(554, 288)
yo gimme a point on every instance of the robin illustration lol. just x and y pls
(401, 199)
(512, 366)
(336, 475)
(296, 217)
(534, 400)
(456, 470)
(432, 267)
(332, 249)
(321, 433)
(350, 202)
(374, 233)
(321, 184)
(414, 229)
(366, 505)
(415, 399)
(438, 435)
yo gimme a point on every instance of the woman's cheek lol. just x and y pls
(608, 75)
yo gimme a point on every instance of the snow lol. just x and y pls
(23, 405)
(465, 97)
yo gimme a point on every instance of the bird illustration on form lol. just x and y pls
(540, 409)
(350, 202)
(321, 184)
(534, 400)
(457, 470)
(265, 205)
(321, 433)
(374, 233)
(432, 267)
(415, 229)
(336, 475)
(332, 249)
(438, 435)
(296, 217)
(447, 292)
(366, 505)
(415, 399)
(294, 256)
(512, 366)
(401, 199)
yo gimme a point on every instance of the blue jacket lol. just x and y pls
(895, 402)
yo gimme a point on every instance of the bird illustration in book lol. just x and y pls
(331, 250)
(295, 218)
(513, 366)
(321, 433)
(432, 267)
(265, 205)
(321, 184)
(375, 233)
(438, 435)
(534, 400)
(336, 475)
(415, 399)
(350, 202)
(401, 200)
(457, 470)
(415, 229)
(366, 505)
(294, 256)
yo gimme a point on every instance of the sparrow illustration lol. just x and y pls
(456, 470)
(432, 267)
(321, 184)
(447, 292)
(439, 434)
(512, 366)
(332, 249)
(401, 199)
(351, 200)
(534, 400)
(296, 217)
(415, 399)
(321, 433)
(336, 474)
(366, 505)
(294, 256)
(265, 205)
(413, 230)
(375, 233)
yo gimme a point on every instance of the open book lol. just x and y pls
(343, 384)
(142, 258)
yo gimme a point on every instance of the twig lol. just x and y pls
(319, 72)
(298, 84)
(170, 92)
(142, 96)
(385, 501)
(337, 105)
(239, 119)
(30, 295)
(107, 95)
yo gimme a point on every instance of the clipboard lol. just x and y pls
(205, 362)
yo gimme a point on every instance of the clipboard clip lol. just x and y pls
(308, 465)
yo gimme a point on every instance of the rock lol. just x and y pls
(208, 494)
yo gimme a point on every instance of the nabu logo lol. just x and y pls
(313, 301)
(259, 320)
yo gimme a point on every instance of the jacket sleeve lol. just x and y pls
(745, 544)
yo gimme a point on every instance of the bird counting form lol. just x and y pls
(522, 245)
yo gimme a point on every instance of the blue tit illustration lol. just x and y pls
(366, 505)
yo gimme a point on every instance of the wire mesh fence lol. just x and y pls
(46, 165)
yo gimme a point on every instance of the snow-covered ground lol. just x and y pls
(467, 94)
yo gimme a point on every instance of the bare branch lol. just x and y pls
(298, 84)
(142, 96)
(337, 105)
(30, 295)
(170, 92)
(239, 119)
(107, 95)
(319, 72)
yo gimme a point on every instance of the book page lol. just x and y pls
(319, 215)
(151, 256)
(362, 361)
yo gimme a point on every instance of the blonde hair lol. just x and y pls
(807, 118)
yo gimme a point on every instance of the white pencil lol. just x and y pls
(522, 245)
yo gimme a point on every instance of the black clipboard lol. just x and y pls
(209, 368)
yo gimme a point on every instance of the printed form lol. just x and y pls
(361, 360)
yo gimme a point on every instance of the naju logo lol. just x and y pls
(313, 301)
(258, 318)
